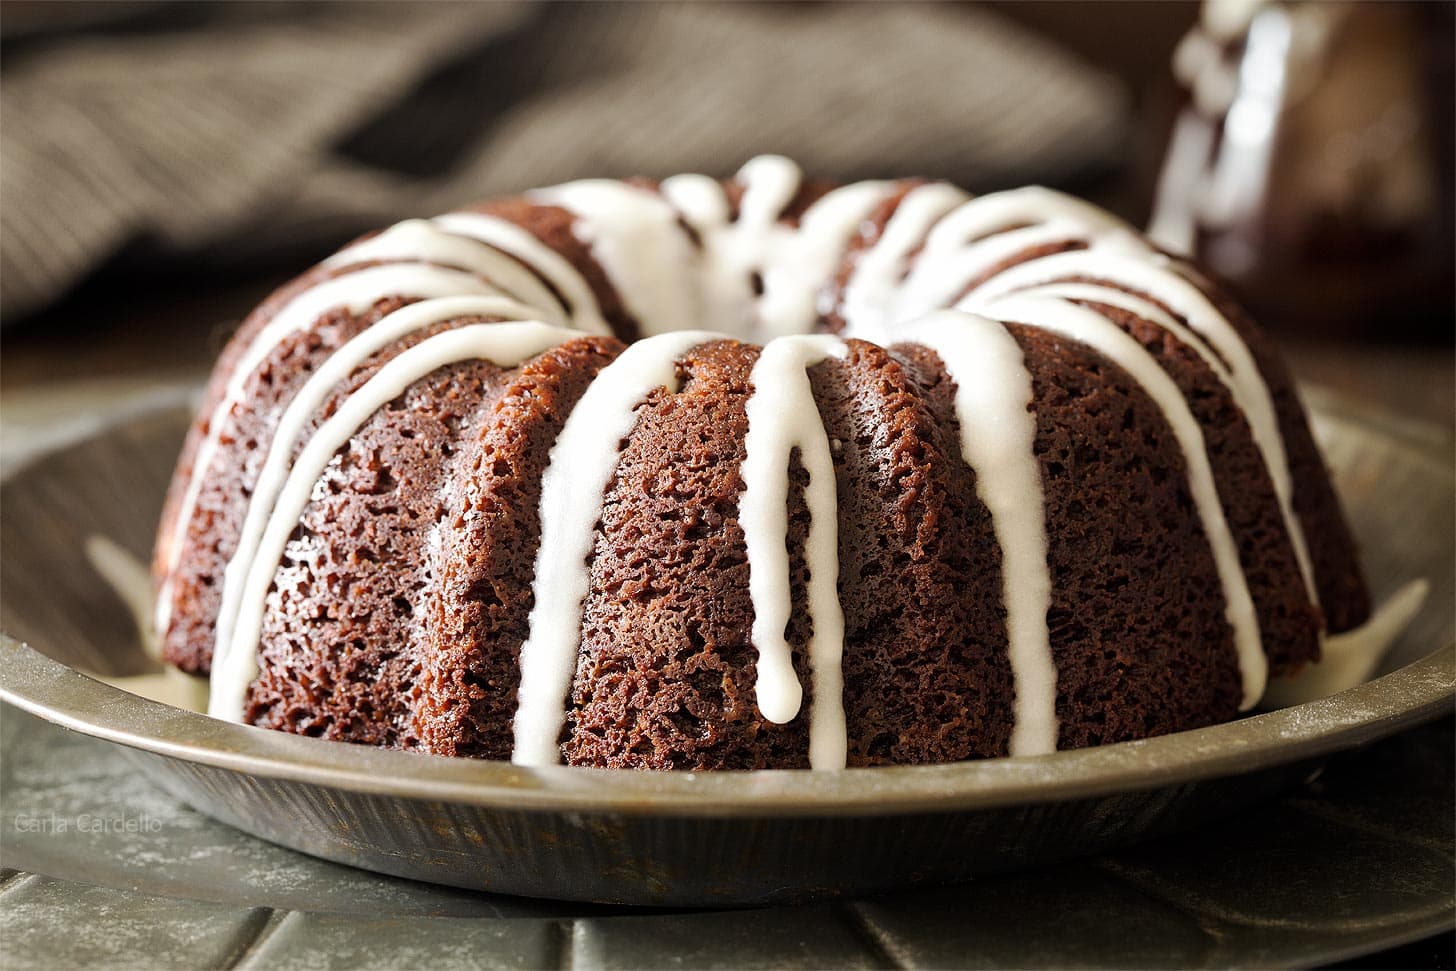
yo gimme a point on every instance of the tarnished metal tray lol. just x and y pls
(687, 839)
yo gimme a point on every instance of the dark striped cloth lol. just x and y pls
(227, 133)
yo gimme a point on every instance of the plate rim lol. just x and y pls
(1416, 693)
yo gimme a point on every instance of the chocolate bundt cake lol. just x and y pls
(757, 473)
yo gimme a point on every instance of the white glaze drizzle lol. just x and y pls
(1124, 261)
(1091, 292)
(993, 401)
(941, 274)
(1088, 327)
(783, 418)
(872, 290)
(1351, 658)
(726, 261)
(586, 313)
(792, 263)
(573, 489)
(973, 239)
(422, 241)
(505, 344)
(355, 292)
(960, 241)
(305, 404)
(1111, 296)
(129, 578)
(633, 233)
(955, 240)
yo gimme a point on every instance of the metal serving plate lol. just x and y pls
(688, 838)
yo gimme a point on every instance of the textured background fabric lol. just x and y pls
(256, 134)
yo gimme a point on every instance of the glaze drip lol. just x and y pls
(783, 420)
(582, 462)
(506, 345)
(998, 439)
